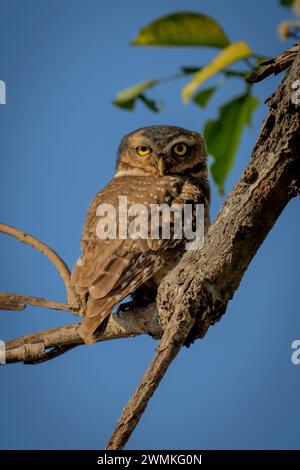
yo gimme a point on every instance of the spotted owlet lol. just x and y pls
(156, 165)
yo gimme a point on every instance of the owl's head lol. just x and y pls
(162, 150)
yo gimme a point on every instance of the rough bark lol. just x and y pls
(274, 66)
(204, 284)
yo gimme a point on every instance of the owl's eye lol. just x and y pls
(142, 151)
(180, 149)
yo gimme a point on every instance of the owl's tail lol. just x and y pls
(94, 320)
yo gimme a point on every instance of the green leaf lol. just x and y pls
(128, 105)
(131, 93)
(227, 72)
(202, 98)
(236, 74)
(126, 98)
(287, 3)
(151, 104)
(182, 29)
(229, 55)
(223, 135)
(188, 70)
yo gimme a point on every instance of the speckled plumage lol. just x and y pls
(111, 269)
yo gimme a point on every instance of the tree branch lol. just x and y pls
(274, 66)
(15, 307)
(10, 301)
(201, 285)
(172, 340)
(46, 344)
(62, 268)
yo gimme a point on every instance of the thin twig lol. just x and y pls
(15, 307)
(15, 300)
(274, 66)
(62, 268)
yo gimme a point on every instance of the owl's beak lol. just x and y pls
(161, 166)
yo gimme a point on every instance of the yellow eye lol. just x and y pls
(180, 149)
(142, 151)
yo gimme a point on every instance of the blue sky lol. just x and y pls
(63, 62)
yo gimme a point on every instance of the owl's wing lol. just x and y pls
(111, 269)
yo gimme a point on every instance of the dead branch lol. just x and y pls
(172, 340)
(15, 307)
(45, 345)
(274, 66)
(10, 301)
(55, 259)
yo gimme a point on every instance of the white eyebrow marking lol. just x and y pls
(144, 142)
(132, 172)
(180, 140)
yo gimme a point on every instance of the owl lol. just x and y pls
(155, 165)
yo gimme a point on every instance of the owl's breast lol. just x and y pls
(148, 189)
